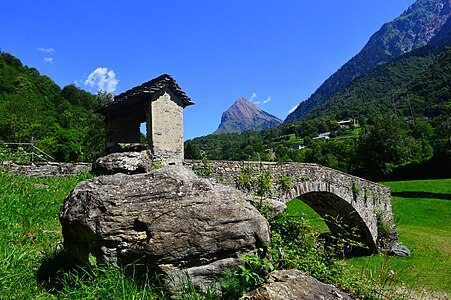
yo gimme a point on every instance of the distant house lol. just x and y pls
(346, 122)
(324, 135)
(297, 147)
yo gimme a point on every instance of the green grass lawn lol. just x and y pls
(296, 206)
(422, 211)
(29, 228)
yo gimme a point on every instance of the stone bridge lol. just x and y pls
(355, 203)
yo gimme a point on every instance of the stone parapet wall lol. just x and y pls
(45, 169)
(227, 171)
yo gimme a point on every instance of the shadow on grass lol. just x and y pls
(422, 195)
(58, 274)
(52, 269)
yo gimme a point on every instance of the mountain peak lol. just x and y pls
(244, 115)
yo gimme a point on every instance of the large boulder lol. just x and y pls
(169, 220)
(294, 285)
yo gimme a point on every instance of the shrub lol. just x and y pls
(206, 169)
(285, 183)
(245, 180)
(295, 244)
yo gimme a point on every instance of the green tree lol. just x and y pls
(384, 146)
(191, 151)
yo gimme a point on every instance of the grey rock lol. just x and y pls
(130, 147)
(294, 285)
(169, 219)
(401, 251)
(133, 162)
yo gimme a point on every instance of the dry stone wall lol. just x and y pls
(45, 169)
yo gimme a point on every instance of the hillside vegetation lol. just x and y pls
(62, 122)
(385, 147)
(416, 85)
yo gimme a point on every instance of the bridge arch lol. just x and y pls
(341, 218)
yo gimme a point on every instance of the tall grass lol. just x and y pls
(29, 228)
(33, 264)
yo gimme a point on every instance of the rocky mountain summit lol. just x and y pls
(244, 115)
(415, 28)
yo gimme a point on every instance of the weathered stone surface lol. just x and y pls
(44, 169)
(294, 285)
(169, 219)
(133, 162)
(401, 251)
(130, 147)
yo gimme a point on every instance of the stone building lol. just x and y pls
(158, 102)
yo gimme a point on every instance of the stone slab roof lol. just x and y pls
(137, 95)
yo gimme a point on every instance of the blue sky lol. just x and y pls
(276, 53)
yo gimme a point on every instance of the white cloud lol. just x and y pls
(48, 60)
(257, 102)
(293, 109)
(253, 96)
(102, 79)
(46, 50)
(267, 100)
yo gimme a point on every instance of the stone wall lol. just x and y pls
(167, 128)
(45, 169)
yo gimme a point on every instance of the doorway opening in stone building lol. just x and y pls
(143, 133)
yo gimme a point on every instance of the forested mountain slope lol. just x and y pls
(416, 84)
(61, 121)
(416, 27)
